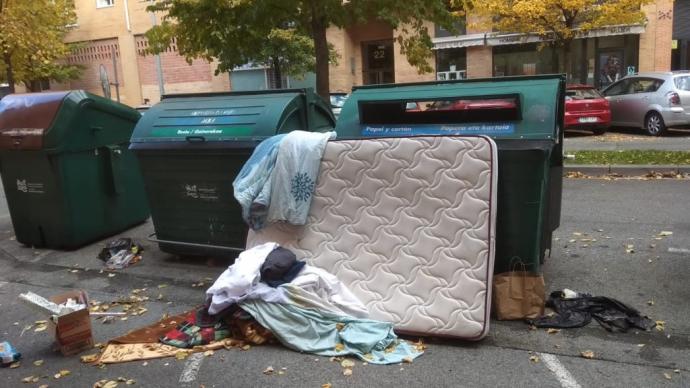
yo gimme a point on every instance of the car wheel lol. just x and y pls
(654, 124)
(599, 131)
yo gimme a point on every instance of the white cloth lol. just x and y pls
(312, 288)
(234, 284)
(294, 175)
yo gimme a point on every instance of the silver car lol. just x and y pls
(652, 101)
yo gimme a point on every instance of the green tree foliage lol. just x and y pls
(32, 41)
(293, 32)
(558, 22)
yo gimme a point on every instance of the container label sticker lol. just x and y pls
(213, 131)
(439, 129)
(206, 193)
(30, 187)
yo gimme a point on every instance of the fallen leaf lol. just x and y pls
(43, 386)
(15, 365)
(407, 360)
(588, 354)
(676, 371)
(339, 326)
(419, 346)
(145, 363)
(665, 233)
(281, 372)
(531, 328)
(181, 354)
(121, 379)
(347, 372)
(667, 376)
(111, 275)
(650, 302)
(209, 353)
(630, 248)
(347, 363)
(130, 382)
(162, 285)
(660, 325)
(30, 379)
(339, 347)
(41, 322)
(534, 358)
(38, 362)
(572, 240)
(268, 371)
(553, 331)
(89, 358)
(326, 385)
(577, 234)
(40, 328)
(640, 345)
(246, 347)
(123, 318)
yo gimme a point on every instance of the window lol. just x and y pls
(621, 87)
(104, 3)
(683, 83)
(644, 85)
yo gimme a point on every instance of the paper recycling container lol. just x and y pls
(68, 175)
(524, 115)
(191, 147)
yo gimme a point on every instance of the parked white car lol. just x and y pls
(652, 101)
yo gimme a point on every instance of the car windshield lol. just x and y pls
(582, 94)
(683, 83)
(338, 100)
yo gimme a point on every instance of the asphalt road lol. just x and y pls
(614, 213)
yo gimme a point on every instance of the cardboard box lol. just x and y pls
(72, 331)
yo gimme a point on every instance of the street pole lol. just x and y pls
(159, 68)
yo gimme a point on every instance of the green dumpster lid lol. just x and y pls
(507, 107)
(66, 120)
(232, 116)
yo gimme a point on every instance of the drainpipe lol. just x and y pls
(127, 22)
(159, 68)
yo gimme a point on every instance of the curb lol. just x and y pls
(626, 170)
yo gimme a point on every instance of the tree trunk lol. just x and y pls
(7, 58)
(277, 75)
(554, 59)
(321, 51)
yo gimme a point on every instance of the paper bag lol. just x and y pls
(518, 295)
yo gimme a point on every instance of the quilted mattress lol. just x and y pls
(408, 224)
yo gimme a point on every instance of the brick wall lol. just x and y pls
(655, 42)
(91, 55)
(175, 67)
(404, 71)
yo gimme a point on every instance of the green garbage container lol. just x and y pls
(524, 115)
(192, 146)
(68, 175)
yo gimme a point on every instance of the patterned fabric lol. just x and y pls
(188, 334)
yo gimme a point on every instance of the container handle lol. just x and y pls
(195, 139)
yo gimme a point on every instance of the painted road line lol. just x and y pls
(564, 377)
(191, 368)
(678, 250)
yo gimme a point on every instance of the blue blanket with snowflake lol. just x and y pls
(277, 182)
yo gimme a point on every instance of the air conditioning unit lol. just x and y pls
(451, 75)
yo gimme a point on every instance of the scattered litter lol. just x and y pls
(120, 253)
(47, 307)
(8, 354)
(588, 354)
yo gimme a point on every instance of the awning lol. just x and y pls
(496, 39)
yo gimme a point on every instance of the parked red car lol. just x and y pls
(586, 109)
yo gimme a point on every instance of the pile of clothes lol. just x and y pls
(268, 294)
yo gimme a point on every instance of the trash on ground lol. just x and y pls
(120, 253)
(69, 319)
(571, 312)
(8, 353)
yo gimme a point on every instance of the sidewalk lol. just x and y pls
(677, 140)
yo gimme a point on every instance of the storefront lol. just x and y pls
(598, 57)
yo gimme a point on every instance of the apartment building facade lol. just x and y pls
(111, 39)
